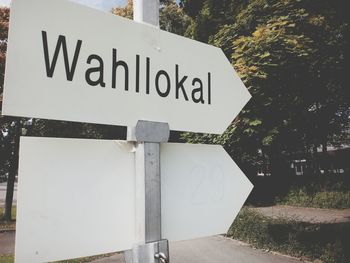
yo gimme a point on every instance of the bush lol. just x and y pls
(7, 259)
(327, 191)
(301, 197)
(327, 242)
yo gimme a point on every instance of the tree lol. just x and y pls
(171, 17)
(4, 25)
(291, 56)
(126, 11)
(8, 125)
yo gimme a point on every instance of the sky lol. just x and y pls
(104, 5)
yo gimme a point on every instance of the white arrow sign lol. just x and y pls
(77, 197)
(70, 62)
(202, 190)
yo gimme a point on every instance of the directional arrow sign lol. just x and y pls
(202, 190)
(77, 197)
(70, 62)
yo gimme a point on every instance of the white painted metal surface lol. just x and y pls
(192, 86)
(75, 198)
(202, 190)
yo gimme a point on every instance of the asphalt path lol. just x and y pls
(213, 250)
(205, 250)
(7, 242)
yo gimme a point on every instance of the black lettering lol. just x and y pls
(209, 88)
(115, 66)
(147, 74)
(197, 90)
(179, 85)
(99, 69)
(137, 73)
(166, 93)
(50, 67)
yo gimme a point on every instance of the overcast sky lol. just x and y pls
(105, 5)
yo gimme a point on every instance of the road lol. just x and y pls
(215, 249)
(205, 250)
(7, 242)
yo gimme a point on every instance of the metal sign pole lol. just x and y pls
(148, 136)
(152, 249)
(147, 12)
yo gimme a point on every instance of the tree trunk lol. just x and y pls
(12, 173)
(324, 146)
(315, 168)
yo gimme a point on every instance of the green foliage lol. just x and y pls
(291, 56)
(173, 19)
(320, 192)
(7, 258)
(4, 24)
(126, 11)
(300, 197)
(327, 242)
(307, 190)
(8, 225)
(209, 15)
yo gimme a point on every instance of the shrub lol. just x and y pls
(325, 199)
(327, 242)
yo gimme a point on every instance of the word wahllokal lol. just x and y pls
(162, 80)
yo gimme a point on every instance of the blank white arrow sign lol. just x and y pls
(202, 190)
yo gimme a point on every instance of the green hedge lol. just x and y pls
(300, 197)
(311, 191)
(328, 242)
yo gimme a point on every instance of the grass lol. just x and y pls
(321, 191)
(7, 259)
(5, 225)
(327, 242)
(324, 199)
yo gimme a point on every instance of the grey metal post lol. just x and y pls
(151, 134)
(146, 11)
(148, 136)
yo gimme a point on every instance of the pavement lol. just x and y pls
(217, 248)
(212, 250)
(204, 250)
(305, 214)
(223, 250)
(7, 242)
